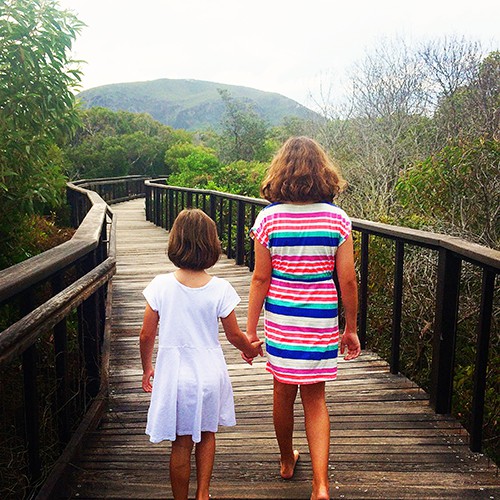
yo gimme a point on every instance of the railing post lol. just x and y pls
(31, 403)
(171, 210)
(163, 204)
(102, 292)
(89, 320)
(220, 224)
(363, 289)
(397, 307)
(71, 197)
(483, 339)
(61, 359)
(146, 201)
(240, 233)
(153, 197)
(213, 207)
(251, 259)
(166, 209)
(230, 230)
(157, 213)
(149, 194)
(445, 331)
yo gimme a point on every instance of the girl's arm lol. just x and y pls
(259, 286)
(349, 293)
(147, 342)
(239, 339)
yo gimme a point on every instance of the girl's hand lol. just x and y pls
(246, 358)
(257, 348)
(351, 341)
(147, 386)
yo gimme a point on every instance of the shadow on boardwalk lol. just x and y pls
(386, 441)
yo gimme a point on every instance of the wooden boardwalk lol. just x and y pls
(386, 441)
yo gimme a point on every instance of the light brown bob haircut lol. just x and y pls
(302, 171)
(193, 241)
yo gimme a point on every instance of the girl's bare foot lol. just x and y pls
(202, 496)
(321, 494)
(287, 470)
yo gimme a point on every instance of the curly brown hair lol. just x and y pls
(193, 242)
(301, 171)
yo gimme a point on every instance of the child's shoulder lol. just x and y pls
(220, 283)
(161, 279)
(335, 209)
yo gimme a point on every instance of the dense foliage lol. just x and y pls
(110, 143)
(461, 183)
(37, 113)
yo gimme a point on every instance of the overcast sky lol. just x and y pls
(284, 46)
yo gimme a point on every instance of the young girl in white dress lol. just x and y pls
(191, 393)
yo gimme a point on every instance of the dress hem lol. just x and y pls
(301, 382)
(166, 438)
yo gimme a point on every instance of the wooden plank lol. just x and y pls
(386, 441)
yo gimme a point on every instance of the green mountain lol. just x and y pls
(190, 104)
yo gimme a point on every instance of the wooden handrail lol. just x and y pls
(17, 278)
(19, 336)
(471, 252)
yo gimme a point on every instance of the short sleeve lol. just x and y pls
(259, 230)
(230, 299)
(344, 226)
(151, 294)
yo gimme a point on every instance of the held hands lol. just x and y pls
(351, 341)
(147, 375)
(256, 351)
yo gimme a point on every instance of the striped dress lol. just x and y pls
(301, 307)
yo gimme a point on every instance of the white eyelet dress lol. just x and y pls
(192, 391)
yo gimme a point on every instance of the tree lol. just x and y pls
(386, 128)
(196, 166)
(242, 178)
(406, 104)
(462, 191)
(37, 111)
(449, 64)
(244, 132)
(473, 108)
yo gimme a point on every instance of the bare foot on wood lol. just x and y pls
(287, 470)
(321, 494)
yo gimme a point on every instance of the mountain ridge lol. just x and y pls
(191, 104)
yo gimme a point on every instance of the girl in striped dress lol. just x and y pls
(300, 238)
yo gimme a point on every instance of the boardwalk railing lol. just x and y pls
(234, 214)
(53, 348)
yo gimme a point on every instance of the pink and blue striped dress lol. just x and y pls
(301, 307)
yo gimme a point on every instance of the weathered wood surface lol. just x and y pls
(386, 441)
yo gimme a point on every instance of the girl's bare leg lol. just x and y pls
(318, 436)
(284, 399)
(205, 456)
(180, 466)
